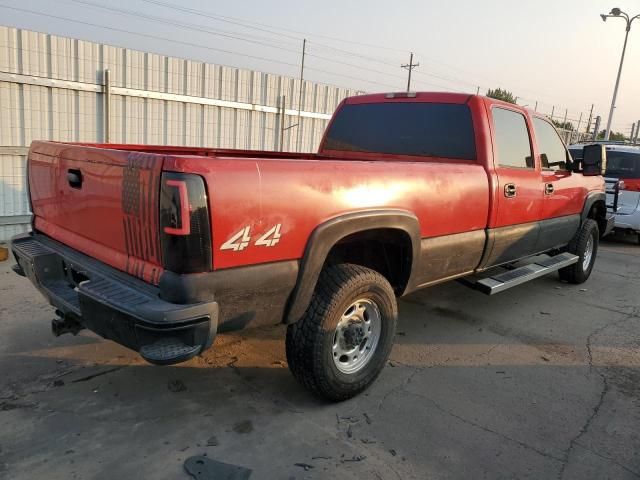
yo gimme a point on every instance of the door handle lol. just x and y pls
(510, 190)
(74, 177)
(548, 188)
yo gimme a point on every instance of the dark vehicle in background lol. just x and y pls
(623, 179)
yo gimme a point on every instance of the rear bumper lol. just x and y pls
(113, 304)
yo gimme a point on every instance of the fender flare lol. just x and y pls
(592, 197)
(327, 234)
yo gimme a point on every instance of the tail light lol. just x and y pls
(185, 233)
(401, 95)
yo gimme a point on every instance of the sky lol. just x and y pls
(556, 53)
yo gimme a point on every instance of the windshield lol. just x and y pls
(421, 129)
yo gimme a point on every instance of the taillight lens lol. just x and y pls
(185, 233)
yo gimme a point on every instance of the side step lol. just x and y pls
(502, 281)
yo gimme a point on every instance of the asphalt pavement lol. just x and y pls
(541, 381)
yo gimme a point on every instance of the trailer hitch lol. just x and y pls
(65, 324)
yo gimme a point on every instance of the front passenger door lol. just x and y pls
(563, 190)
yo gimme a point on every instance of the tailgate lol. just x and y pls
(99, 201)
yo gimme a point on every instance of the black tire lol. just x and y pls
(578, 272)
(310, 340)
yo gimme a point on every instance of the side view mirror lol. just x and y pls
(594, 160)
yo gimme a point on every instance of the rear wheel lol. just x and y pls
(585, 246)
(341, 344)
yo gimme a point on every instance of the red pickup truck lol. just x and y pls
(159, 248)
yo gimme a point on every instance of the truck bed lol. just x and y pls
(205, 152)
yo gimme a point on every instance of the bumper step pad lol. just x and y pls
(167, 351)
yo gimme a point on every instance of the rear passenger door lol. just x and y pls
(514, 233)
(564, 191)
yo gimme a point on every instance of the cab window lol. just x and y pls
(513, 145)
(553, 154)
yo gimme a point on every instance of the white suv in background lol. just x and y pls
(623, 163)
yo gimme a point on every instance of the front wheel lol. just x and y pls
(341, 344)
(585, 246)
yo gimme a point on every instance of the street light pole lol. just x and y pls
(617, 13)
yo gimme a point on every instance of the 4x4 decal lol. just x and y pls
(240, 240)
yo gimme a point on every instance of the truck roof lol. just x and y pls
(610, 146)
(437, 97)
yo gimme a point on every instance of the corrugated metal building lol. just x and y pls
(55, 88)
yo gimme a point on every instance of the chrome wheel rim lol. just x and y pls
(356, 336)
(588, 253)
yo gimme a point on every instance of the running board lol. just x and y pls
(540, 267)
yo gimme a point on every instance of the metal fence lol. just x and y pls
(65, 89)
(573, 136)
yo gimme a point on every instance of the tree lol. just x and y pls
(501, 94)
(563, 125)
(615, 136)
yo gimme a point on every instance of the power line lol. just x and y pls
(260, 41)
(230, 35)
(270, 28)
(275, 30)
(189, 44)
(233, 35)
(247, 24)
(187, 26)
(251, 24)
(147, 35)
(225, 34)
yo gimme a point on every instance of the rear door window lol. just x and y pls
(623, 164)
(410, 128)
(513, 145)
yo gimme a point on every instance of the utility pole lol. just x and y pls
(410, 66)
(564, 122)
(535, 109)
(553, 108)
(590, 118)
(578, 128)
(635, 139)
(478, 91)
(299, 139)
(596, 127)
(107, 106)
(282, 112)
(633, 131)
